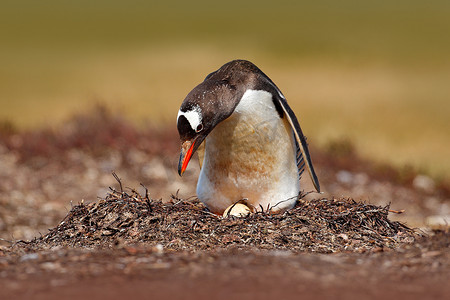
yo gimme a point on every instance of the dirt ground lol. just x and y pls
(71, 230)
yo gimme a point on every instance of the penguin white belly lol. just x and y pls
(250, 155)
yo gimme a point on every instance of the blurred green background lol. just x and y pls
(375, 72)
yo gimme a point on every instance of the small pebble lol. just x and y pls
(424, 183)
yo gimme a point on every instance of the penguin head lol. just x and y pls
(209, 103)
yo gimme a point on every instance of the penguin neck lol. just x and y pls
(252, 116)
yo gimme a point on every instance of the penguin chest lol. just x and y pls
(250, 155)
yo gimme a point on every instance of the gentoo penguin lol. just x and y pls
(254, 148)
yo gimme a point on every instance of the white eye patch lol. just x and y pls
(194, 116)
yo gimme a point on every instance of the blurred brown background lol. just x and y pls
(376, 72)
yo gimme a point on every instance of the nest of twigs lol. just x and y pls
(319, 225)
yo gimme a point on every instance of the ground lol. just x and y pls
(71, 229)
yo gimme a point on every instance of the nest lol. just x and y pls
(317, 225)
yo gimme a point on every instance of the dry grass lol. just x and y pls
(319, 225)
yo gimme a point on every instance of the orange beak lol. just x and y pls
(187, 149)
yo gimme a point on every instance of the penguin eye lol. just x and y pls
(199, 128)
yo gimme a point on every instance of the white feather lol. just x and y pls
(250, 155)
(194, 116)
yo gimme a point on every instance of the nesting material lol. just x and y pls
(318, 225)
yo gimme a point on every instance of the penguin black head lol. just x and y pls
(211, 102)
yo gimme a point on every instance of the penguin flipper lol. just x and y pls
(303, 156)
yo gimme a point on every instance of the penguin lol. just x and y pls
(251, 147)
